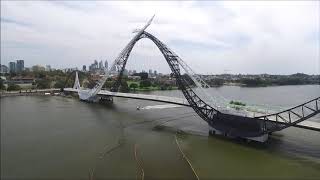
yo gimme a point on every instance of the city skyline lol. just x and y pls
(238, 37)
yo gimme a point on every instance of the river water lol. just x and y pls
(64, 138)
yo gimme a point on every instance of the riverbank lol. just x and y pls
(37, 92)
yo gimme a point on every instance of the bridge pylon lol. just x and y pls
(76, 84)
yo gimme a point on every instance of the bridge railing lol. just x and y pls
(293, 115)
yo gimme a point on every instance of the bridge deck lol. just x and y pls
(179, 101)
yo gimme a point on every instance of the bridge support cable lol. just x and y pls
(200, 83)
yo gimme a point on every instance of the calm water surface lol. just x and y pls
(63, 138)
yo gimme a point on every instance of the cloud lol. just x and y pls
(244, 37)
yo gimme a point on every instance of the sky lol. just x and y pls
(212, 37)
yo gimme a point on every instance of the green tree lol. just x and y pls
(145, 83)
(124, 87)
(133, 86)
(59, 84)
(108, 84)
(2, 86)
(43, 83)
(13, 87)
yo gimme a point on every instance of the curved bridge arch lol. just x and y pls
(204, 110)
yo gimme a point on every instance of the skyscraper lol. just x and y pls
(106, 64)
(95, 64)
(84, 68)
(100, 65)
(20, 66)
(12, 67)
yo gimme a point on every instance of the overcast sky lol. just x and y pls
(212, 37)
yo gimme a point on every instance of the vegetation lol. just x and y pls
(263, 80)
(145, 83)
(43, 84)
(13, 87)
(238, 103)
(133, 86)
(58, 78)
(59, 84)
(2, 86)
(124, 87)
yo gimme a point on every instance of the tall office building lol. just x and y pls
(12, 67)
(20, 66)
(100, 65)
(106, 64)
(84, 68)
(95, 66)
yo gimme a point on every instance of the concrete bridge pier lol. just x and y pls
(105, 99)
(213, 132)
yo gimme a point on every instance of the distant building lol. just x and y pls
(95, 64)
(37, 68)
(106, 64)
(20, 66)
(125, 72)
(155, 73)
(48, 68)
(12, 67)
(134, 78)
(66, 70)
(84, 68)
(22, 80)
(150, 73)
(100, 65)
(4, 69)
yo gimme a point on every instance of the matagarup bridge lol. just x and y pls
(220, 122)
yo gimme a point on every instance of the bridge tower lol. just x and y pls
(76, 82)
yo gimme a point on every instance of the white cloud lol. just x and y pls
(244, 37)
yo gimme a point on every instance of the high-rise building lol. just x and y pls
(95, 64)
(20, 66)
(106, 64)
(150, 72)
(84, 68)
(12, 67)
(100, 65)
(155, 72)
